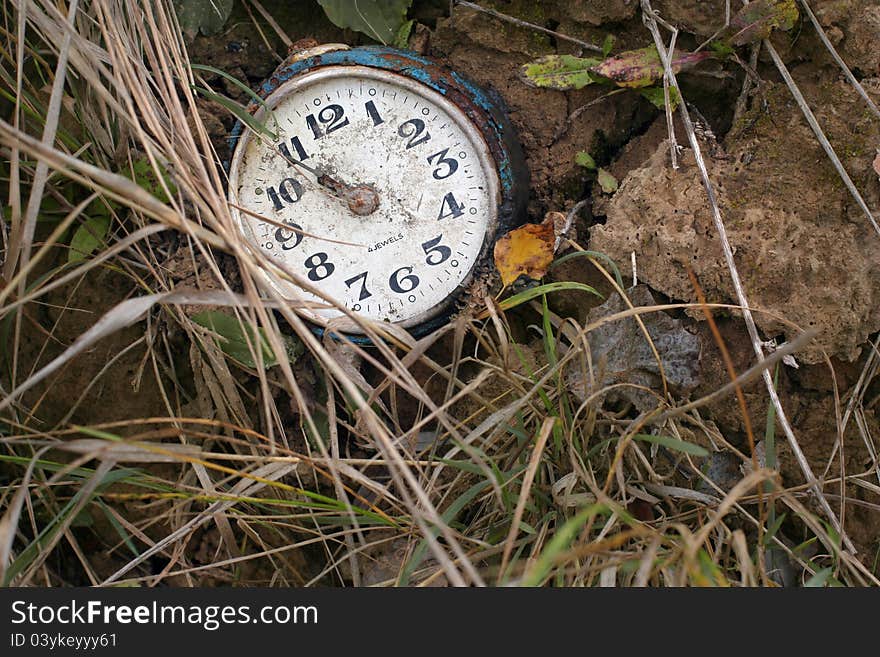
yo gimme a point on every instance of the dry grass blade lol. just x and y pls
(23, 234)
(525, 490)
(820, 135)
(123, 315)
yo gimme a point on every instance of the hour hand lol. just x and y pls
(361, 199)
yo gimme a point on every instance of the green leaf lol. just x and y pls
(607, 182)
(819, 579)
(88, 237)
(144, 175)
(721, 49)
(584, 159)
(658, 99)
(234, 336)
(402, 38)
(562, 72)
(608, 44)
(710, 571)
(207, 16)
(673, 444)
(378, 19)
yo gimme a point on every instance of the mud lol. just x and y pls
(490, 51)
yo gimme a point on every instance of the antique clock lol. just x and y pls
(384, 181)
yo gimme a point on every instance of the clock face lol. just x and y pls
(378, 191)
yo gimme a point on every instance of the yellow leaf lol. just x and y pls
(526, 250)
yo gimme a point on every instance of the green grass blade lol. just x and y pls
(235, 81)
(592, 254)
(547, 288)
(560, 542)
(238, 111)
(673, 444)
(421, 550)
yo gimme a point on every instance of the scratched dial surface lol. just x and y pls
(422, 163)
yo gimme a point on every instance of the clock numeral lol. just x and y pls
(455, 210)
(364, 293)
(412, 281)
(332, 119)
(450, 162)
(289, 191)
(317, 262)
(283, 236)
(297, 147)
(436, 253)
(373, 113)
(412, 129)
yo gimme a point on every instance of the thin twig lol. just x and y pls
(272, 23)
(743, 379)
(820, 135)
(566, 125)
(743, 100)
(532, 26)
(837, 58)
(569, 221)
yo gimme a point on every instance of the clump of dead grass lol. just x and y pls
(310, 471)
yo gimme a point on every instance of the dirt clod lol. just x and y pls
(803, 249)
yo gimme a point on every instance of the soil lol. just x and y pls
(805, 251)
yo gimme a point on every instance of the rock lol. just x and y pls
(804, 250)
(620, 352)
(723, 469)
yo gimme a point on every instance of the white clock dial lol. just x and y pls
(389, 191)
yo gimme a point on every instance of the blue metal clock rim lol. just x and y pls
(482, 108)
